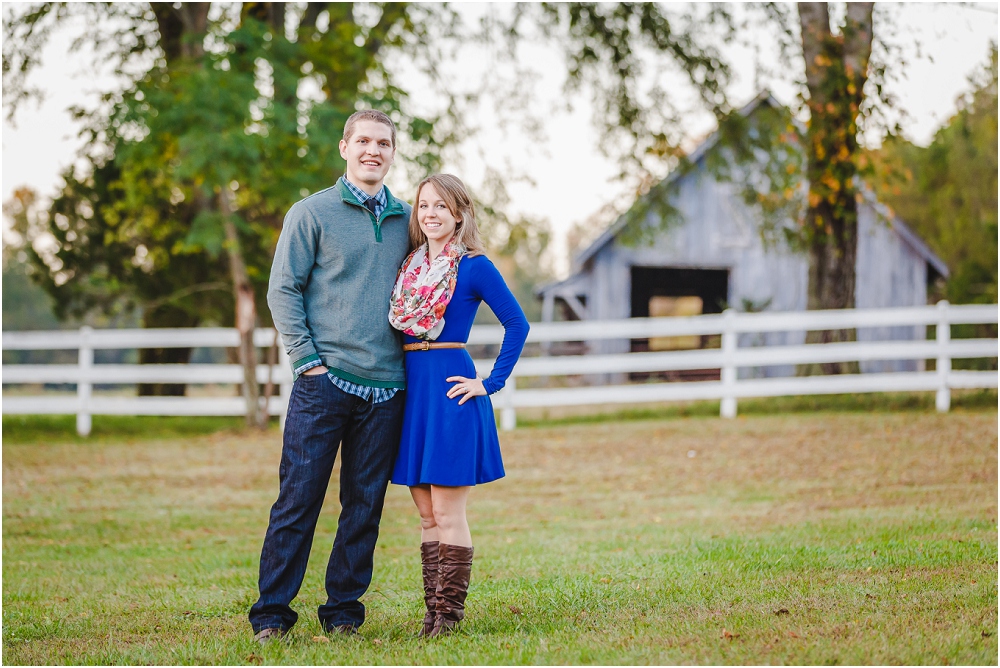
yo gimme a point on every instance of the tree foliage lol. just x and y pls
(948, 191)
(223, 119)
(628, 56)
(25, 305)
(246, 101)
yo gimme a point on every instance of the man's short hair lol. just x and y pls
(368, 115)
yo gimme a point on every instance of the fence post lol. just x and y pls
(285, 387)
(943, 399)
(84, 387)
(728, 372)
(508, 414)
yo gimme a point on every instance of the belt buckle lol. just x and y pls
(425, 345)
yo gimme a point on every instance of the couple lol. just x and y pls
(344, 261)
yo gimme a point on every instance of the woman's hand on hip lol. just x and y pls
(465, 388)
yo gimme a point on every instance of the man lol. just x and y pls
(332, 277)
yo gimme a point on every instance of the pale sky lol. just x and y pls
(572, 180)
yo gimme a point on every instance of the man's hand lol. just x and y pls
(465, 388)
(315, 371)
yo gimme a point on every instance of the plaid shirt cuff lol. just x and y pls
(305, 364)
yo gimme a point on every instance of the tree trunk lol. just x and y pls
(836, 71)
(246, 312)
(194, 18)
(182, 29)
(171, 27)
(165, 316)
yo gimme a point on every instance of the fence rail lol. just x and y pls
(727, 359)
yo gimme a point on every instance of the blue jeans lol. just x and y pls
(320, 417)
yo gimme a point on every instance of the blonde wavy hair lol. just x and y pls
(459, 203)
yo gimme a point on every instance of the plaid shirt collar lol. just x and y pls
(380, 198)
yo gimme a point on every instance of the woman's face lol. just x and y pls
(433, 216)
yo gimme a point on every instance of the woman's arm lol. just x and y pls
(489, 285)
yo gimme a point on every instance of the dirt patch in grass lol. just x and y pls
(789, 462)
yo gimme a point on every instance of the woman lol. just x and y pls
(449, 441)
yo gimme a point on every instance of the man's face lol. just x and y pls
(369, 153)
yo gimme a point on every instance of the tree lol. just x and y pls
(209, 140)
(836, 69)
(25, 305)
(948, 191)
(91, 262)
(28, 306)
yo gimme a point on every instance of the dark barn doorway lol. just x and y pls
(668, 291)
(711, 285)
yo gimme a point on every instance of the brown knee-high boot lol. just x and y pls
(454, 573)
(429, 555)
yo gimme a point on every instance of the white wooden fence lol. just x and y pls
(727, 359)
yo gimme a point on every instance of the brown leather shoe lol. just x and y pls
(267, 635)
(429, 567)
(454, 574)
(343, 630)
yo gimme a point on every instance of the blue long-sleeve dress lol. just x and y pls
(444, 443)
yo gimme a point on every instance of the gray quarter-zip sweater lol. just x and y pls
(332, 277)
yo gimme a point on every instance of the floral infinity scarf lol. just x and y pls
(423, 289)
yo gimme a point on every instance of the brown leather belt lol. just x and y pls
(431, 345)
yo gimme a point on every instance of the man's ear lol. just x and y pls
(343, 149)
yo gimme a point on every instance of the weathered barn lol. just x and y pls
(715, 257)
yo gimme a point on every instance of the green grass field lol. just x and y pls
(865, 537)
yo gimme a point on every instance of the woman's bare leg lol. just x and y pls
(428, 527)
(430, 555)
(448, 504)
